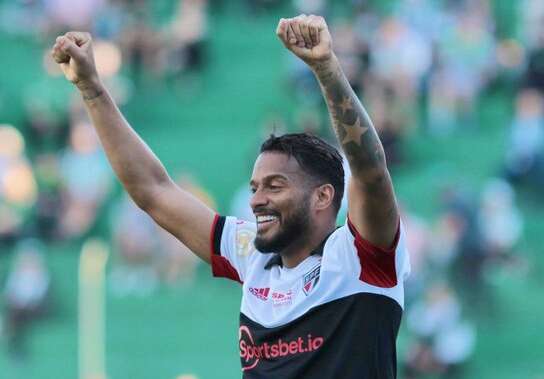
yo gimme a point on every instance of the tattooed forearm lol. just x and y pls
(352, 124)
(90, 91)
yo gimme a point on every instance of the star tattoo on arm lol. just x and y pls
(351, 123)
(353, 133)
(346, 104)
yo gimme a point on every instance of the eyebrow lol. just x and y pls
(269, 178)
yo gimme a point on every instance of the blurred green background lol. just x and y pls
(206, 119)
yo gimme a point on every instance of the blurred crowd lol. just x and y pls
(422, 64)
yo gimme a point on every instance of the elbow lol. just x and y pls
(375, 178)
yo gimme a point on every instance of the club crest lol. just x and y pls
(310, 280)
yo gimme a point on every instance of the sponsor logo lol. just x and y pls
(282, 298)
(261, 293)
(245, 234)
(251, 353)
(309, 280)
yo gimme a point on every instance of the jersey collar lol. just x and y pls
(275, 260)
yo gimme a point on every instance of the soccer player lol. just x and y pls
(318, 302)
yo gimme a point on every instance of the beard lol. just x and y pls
(291, 228)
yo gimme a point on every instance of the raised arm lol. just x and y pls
(371, 199)
(138, 169)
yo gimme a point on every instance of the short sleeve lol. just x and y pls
(380, 267)
(232, 247)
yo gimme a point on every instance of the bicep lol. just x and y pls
(184, 216)
(373, 210)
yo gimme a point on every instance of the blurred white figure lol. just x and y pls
(26, 291)
(73, 15)
(400, 53)
(499, 219)
(525, 153)
(465, 61)
(444, 341)
(136, 242)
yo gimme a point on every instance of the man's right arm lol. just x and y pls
(139, 170)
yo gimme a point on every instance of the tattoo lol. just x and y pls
(353, 132)
(91, 94)
(352, 124)
(346, 105)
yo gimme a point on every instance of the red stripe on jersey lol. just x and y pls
(377, 264)
(212, 235)
(222, 268)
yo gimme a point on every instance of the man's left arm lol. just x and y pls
(371, 199)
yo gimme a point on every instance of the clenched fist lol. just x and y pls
(307, 37)
(73, 52)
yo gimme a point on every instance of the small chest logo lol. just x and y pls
(310, 280)
(261, 293)
(282, 298)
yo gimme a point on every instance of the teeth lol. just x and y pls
(266, 218)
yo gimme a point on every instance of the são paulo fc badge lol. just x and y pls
(309, 281)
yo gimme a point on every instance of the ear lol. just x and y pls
(323, 196)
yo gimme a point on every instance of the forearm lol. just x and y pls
(351, 123)
(138, 169)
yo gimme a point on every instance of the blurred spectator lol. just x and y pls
(499, 220)
(23, 17)
(185, 38)
(48, 208)
(26, 295)
(534, 75)
(532, 15)
(138, 41)
(351, 52)
(458, 244)
(465, 59)
(174, 261)
(311, 7)
(46, 129)
(443, 340)
(525, 146)
(72, 15)
(418, 243)
(147, 253)
(135, 241)
(17, 183)
(400, 56)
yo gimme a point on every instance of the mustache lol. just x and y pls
(264, 210)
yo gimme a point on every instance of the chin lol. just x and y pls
(264, 245)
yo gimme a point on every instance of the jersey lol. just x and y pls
(335, 315)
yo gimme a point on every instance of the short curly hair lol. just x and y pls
(316, 157)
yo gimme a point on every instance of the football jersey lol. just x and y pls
(335, 315)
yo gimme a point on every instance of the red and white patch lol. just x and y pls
(261, 293)
(309, 280)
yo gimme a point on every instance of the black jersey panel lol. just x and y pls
(349, 338)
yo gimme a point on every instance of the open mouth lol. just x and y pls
(266, 221)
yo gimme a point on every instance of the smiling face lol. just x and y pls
(280, 202)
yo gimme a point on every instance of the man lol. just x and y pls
(318, 302)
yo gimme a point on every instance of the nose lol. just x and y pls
(258, 199)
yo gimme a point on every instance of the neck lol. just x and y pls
(301, 249)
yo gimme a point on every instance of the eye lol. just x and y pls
(274, 188)
(253, 189)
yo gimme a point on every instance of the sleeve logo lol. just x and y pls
(244, 240)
